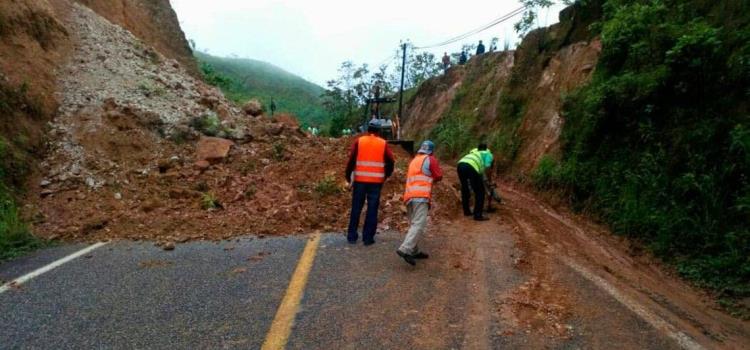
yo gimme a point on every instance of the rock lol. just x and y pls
(202, 164)
(46, 193)
(90, 182)
(213, 149)
(223, 112)
(168, 246)
(288, 120)
(45, 183)
(164, 165)
(118, 196)
(275, 129)
(253, 108)
(93, 225)
(209, 101)
(149, 205)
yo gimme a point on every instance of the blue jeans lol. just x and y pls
(360, 192)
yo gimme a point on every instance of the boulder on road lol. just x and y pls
(212, 149)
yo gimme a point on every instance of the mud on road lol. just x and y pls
(532, 277)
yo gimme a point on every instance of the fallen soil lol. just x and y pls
(293, 185)
(554, 241)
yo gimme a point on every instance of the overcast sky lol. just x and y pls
(312, 38)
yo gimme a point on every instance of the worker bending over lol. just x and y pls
(424, 171)
(472, 169)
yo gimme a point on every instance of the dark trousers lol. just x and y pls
(470, 177)
(361, 192)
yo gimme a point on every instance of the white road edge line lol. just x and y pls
(684, 340)
(25, 278)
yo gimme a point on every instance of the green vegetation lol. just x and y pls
(209, 125)
(658, 143)
(244, 79)
(278, 151)
(209, 201)
(15, 237)
(327, 186)
(478, 113)
(150, 90)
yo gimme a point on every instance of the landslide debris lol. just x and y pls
(142, 150)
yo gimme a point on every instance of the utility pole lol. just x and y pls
(401, 90)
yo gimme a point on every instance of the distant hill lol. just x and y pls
(242, 79)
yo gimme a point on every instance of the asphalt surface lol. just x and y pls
(133, 295)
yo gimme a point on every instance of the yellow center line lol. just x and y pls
(281, 327)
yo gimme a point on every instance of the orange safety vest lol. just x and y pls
(370, 160)
(418, 185)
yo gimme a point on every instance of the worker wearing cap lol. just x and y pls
(471, 171)
(370, 164)
(424, 171)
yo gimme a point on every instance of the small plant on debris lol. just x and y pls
(327, 186)
(209, 125)
(278, 152)
(248, 167)
(210, 202)
(150, 90)
(250, 191)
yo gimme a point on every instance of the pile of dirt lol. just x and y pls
(294, 184)
(129, 155)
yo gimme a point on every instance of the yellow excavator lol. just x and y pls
(389, 126)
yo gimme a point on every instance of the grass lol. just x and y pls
(209, 125)
(150, 90)
(278, 151)
(209, 201)
(327, 186)
(15, 237)
(15, 159)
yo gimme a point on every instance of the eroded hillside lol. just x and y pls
(511, 100)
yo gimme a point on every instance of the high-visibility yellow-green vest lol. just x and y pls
(475, 158)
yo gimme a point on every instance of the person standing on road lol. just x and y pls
(370, 164)
(471, 171)
(424, 171)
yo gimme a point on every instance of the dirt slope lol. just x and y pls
(511, 100)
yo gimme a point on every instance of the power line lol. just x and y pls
(493, 23)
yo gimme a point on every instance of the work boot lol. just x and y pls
(407, 257)
(369, 243)
(481, 218)
(420, 255)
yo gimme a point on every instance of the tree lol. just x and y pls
(530, 15)
(346, 95)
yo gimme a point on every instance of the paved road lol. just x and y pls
(226, 295)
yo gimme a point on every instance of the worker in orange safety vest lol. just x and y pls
(424, 171)
(370, 164)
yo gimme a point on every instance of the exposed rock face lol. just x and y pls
(152, 21)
